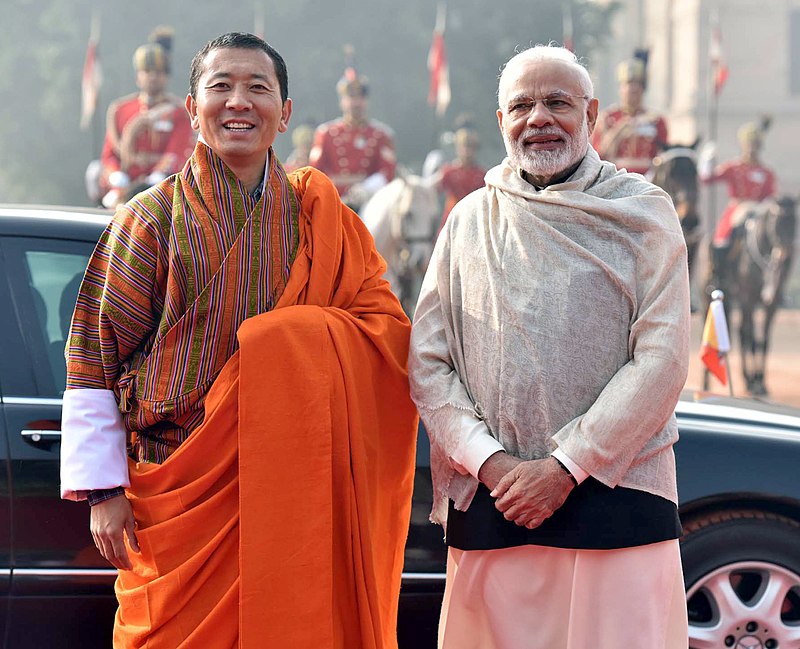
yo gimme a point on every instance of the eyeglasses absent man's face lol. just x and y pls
(238, 108)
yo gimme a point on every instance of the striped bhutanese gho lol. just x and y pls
(179, 268)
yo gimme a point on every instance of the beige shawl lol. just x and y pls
(558, 317)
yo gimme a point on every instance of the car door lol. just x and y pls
(10, 343)
(60, 588)
(425, 562)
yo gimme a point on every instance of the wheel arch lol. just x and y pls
(703, 507)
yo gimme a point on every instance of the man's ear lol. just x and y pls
(500, 119)
(286, 115)
(591, 113)
(191, 108)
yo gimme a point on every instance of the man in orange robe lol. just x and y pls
(233, 327)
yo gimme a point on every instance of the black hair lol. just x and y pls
(239, 40)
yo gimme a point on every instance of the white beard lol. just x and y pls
(548, 164)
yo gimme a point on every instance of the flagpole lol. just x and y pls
(720, 295)
(713, 112)
(259, 22)
(567, 35)
(94, 125)
(728, 374)
(439, 91)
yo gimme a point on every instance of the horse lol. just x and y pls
(755, 273)
(675, 171)
(403, 217)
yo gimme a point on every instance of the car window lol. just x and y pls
(45, 276)
(55, 279)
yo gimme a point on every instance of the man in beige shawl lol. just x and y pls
(549, 348)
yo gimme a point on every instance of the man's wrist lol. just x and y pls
(97, 496)
(563, 467)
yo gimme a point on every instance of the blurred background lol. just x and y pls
(712, 66)
(44, 43)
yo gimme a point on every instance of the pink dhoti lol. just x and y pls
(535, 597)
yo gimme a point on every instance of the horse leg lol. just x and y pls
(769, 317)
(691, 254)
(747, 343)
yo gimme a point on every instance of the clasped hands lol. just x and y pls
(526, 492)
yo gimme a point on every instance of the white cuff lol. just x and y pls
(578, 473)
(706, 160)
(93, 441)
(118, 179)
(476, 447)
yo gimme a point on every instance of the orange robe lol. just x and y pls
(281, 520)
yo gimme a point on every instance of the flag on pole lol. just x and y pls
(259, 20)
(439, 92)
(92, 77)
(716, 342)
(566, 27)
(719, 69)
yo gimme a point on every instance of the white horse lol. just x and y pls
(403, 218)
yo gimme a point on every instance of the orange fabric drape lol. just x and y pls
(281, 521)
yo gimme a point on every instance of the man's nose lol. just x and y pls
(238, 99)
(540, 115)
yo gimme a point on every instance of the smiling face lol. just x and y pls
(545, 141)
(238, 108)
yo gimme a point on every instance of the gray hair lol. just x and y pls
(549, 52)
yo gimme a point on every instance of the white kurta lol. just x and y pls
(555, 318)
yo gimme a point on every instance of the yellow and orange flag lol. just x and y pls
(716, 342)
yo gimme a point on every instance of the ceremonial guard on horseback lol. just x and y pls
(747, 180)
(357, 153)
(148, 133)
(628, 134)
(752, 248)
(636, 138)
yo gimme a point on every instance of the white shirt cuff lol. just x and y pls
(93, 443)
(477, 445)
(578, 473)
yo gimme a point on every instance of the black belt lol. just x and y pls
(594, 517)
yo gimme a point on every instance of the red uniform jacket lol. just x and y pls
(629, 141)
(349, 153)
(745, 182)
(141, 139)
(456, 182)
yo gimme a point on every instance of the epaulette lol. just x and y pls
(326, 126)
(380, 126)
(116, 103)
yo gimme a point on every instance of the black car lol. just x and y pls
(738, 478)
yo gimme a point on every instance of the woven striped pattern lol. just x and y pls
(177, 271)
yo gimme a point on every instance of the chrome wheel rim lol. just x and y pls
(745, 605)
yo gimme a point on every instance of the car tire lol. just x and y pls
(742, 573)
